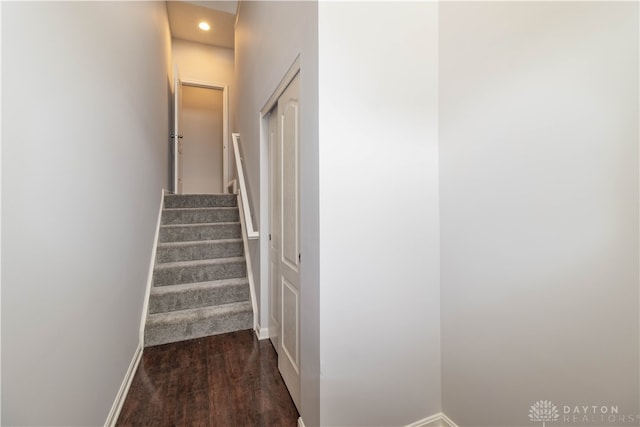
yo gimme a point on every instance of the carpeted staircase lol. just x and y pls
(200, 284)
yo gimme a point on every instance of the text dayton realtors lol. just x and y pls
(596, 414)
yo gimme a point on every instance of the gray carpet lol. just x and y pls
(200, 284)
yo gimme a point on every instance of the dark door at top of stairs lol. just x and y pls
(200, 284)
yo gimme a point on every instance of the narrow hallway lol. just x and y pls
(222, 380)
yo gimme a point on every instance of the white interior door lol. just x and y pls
(177, 135)
(289, 239)
(275, 306)
(201, 121)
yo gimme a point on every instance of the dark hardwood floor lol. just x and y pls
(224, 380)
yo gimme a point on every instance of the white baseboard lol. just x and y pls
(261, 333)
(447, 421)
(114, 413)
(112, 418)
(436, 420)
(152, 263)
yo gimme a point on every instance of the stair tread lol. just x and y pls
(200, 224)
(196, 242)
(205, 208)
(198, 194)
(195, 314)
(185, 287)
(200, 200)
(208, 261)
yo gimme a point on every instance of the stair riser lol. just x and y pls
(203, 232)
(199, 216)
(200, 201)
(198, 273)
(163, 334)
(199, 251)
(195, 298)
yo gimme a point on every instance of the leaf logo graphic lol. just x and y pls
(543, 411)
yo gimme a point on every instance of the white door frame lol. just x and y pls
(265, 170)
(225, 123)
(175, 134)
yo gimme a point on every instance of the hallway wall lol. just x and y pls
(211, 64)
(199, 61)
(539, 208)
(269, 37)
(496, 262)
(85, 92)
(379, 219)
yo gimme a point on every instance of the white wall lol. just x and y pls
(85, 144)
(539, 208)
(209, 64)
(202, 143)
(379, 251)
(202, 62)
(269, 37)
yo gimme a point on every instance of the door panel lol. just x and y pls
(275, 294)
(180, 166)
(290, 321)
(289, 261)
(289, 126)
(201, 121)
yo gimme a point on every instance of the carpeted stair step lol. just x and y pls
(162, 328)
(200, 284)
(204, 249)
(195, 295)
(199, 215)
(200, 201)
(174, 273)
(192, 232)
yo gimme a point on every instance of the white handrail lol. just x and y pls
(239, 187)
(252, 233)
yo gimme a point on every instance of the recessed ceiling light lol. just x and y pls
(204, 26)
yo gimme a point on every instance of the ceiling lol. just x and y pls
(184, 17)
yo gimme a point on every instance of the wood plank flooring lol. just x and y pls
(223, 380)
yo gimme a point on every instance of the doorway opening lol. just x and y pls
(201, 154)
(202, 149)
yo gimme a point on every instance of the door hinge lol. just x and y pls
(269, 237)
(299, 257)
